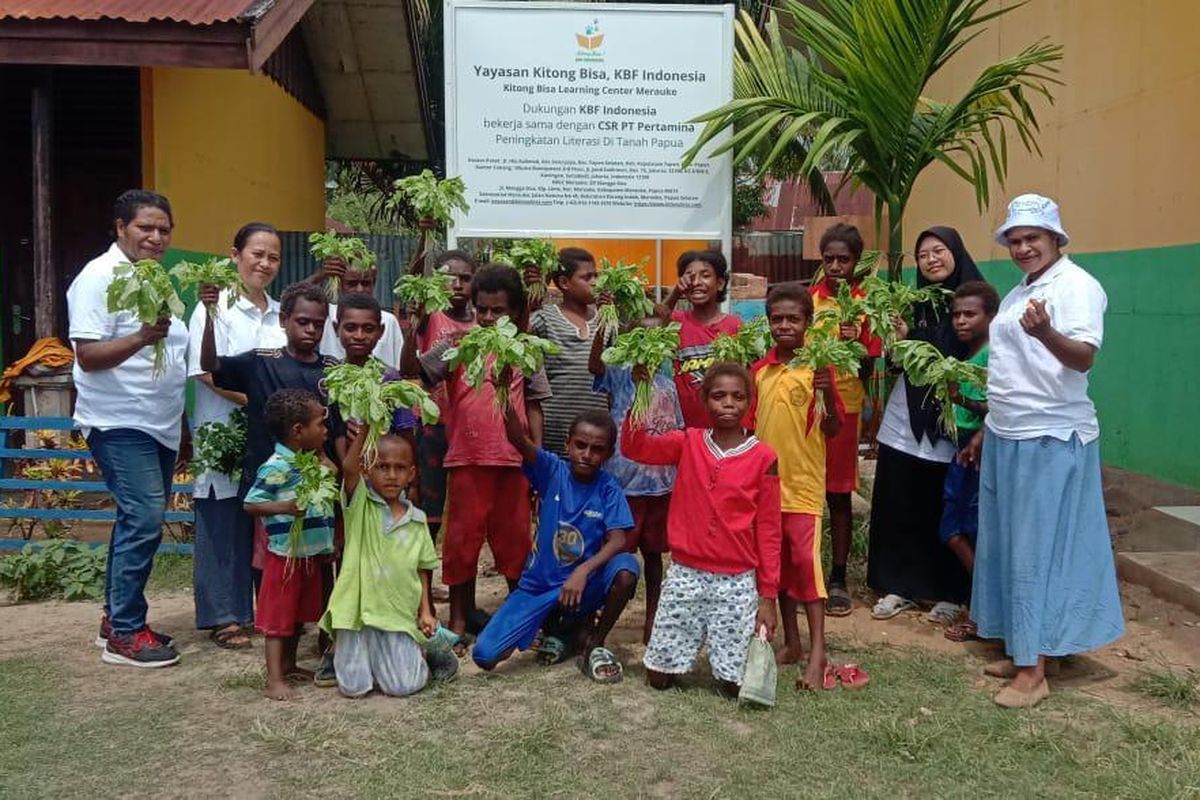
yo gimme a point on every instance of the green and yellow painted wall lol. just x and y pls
(228, 147)
(1117, 154)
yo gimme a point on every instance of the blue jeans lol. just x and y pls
(137, 471)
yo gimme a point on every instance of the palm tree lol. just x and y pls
(854, 94)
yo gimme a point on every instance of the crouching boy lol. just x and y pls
(578, 566)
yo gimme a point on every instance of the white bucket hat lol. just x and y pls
(1034, 211)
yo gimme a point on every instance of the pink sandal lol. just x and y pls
(851, 676)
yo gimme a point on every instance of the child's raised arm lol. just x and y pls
(596, 364)
(352, 463)
(517, 437)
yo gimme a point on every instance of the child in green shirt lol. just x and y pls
(381, 610)
(975, 304)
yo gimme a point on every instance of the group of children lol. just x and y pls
(729, 472)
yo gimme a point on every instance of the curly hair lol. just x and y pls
(846, 234)
(500, 278)
(301, 291)
(794, 291)
(286, 408)
(726, 369)
(363, 302)
(597, 419)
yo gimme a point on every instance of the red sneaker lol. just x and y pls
(141, 649)
(106, 631)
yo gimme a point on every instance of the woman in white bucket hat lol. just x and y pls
(1044, 577)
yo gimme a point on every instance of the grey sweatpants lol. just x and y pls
(370, 657)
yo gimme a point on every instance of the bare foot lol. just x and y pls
(279, 691)
(790, 654)
(813, 678)
(299, 674)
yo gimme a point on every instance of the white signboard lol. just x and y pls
(571, 119)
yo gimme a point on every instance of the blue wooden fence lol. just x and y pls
(8, 484)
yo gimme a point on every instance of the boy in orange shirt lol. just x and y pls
(785, 418)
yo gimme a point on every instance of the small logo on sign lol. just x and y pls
(589, 43)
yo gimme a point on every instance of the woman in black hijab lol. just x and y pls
(906, 560)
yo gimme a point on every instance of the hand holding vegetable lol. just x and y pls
(924, 365)
(750, 343)
(218, 273)
(362, 395)
(209, 296)
(483, 351)
(625, 284)
(144, 289)
(317, 489)
(644, 350)
(823, 351)
(429, 294)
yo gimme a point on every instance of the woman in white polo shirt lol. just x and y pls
(221, 576)
(133, 421)
(1044, 577)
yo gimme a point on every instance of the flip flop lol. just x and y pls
(601, 658)
(552, 650)
(230, 637)
(944, 613)
(839, 602)
(828, 680)
(963, 630)
(458, 643)
(890, 606)
(851, 676)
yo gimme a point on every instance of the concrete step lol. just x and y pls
(1173, 576)
(1160, 529)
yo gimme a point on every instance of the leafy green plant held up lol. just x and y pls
(885, 301)
(648, 348)
(523, 253)
(430, 293)
(220, 445)
(58, 568)
(362, 394)
(350, 249)
(749, 344)
(496, 349)
(924, 365)
(824, 349)
(144, 288)
(434, 201)
(627, 285)
(219, 272)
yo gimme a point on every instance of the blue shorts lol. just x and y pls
(960, 500)
(522, 615)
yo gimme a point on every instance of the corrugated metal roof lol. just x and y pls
(192, 12)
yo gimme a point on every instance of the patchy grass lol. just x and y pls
(1176, 689)
(919, 729)
(172, 573)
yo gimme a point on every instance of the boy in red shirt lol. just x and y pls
(703, 276)
(723, 529)
(841, 249)
(484, 469)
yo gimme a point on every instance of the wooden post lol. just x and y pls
(45, 279)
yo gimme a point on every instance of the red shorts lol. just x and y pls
(489, 503)
(841, 458)
(649, 532)
(800, 577)
(290, 595)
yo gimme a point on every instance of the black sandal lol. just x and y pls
(226, 637)
(839, 603)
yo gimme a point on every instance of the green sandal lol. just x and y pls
(601, 666)
(552, 650)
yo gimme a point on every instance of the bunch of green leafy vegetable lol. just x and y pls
(219, 272)
(626, 283)
(649, 348)
(429, 293)
(497, 349)
(317, 489)
(846, 309)
(144, 288)
(431, 200)
(361, 394)
(749, 344)
(823, 349)
(522, 253)
(885, 301)
(924, 365)
(220, 445)
(350, 249)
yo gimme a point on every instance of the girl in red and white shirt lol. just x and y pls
(724, 532)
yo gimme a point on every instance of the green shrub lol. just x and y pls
(58, 569)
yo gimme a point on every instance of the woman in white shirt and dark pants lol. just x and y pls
(1044, 577)
(133, 420)
(222, 582)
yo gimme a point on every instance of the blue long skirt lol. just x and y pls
(1044, 581)
(221, 580)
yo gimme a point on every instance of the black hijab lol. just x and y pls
(932, 324)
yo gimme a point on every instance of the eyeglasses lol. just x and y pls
(925, 255)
